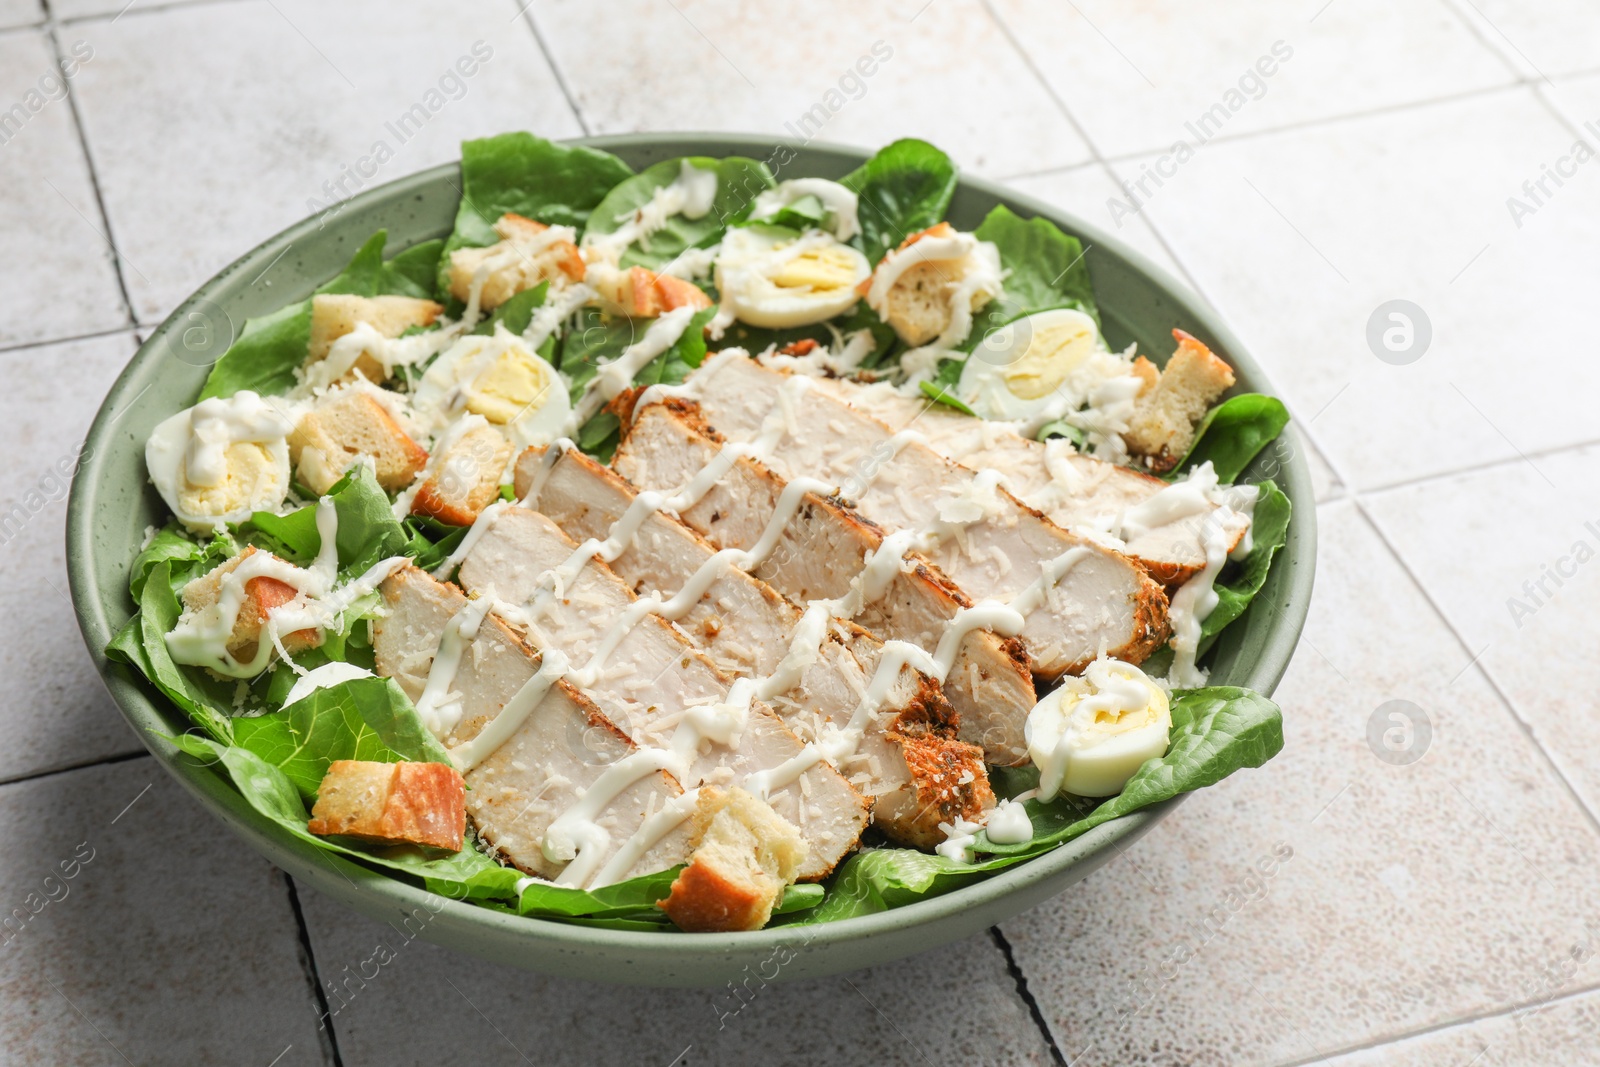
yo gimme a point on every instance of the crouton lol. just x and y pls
(520, 260)
(744, 855)
(1146, 372)
(262, 596)
(465, 476)
(392, 803)
(1164, 417)
(918, 305)
(335, 314)
(641, 293)
(345, 426)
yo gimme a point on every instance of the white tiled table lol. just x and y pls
(1441, 912)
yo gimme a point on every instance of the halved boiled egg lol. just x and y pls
(221, 460)
(773, 278)
(1026, 365)
(1092, 733)
(502, 379)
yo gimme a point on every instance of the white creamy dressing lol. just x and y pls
(468, 755)
(838, 201)
(959, 837)
(618, 375)
(1190, 606)
(391, 352)
(557, 308)
(1008, 823)
(691, 194)
(188, 454)
(439, 706)
(201, 638)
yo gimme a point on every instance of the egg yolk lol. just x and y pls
(251, 475)
(817, 269)
(515, 382)
(1051, 355)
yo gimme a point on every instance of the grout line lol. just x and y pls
(1083, 134)
(136, 8)
(1473, 27)
(88, 163)
(34, 776)
(526, 14)
(1498, 1012)
(48, 341)
(1027, 998)
(308, 962)
(1486, 465)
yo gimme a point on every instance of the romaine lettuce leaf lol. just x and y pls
(521, 174)
(368, 531)
(1215, 731)
(362, 719)
(903, 189)
(739, 182)
(1232, 433)
(267, 351)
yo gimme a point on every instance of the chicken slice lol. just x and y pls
(821, 552)
(985, 540)
(746, 628)
(1077, 492)
(653, 678)
(545, 766)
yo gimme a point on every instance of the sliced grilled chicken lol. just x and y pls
(653, 678)
(989, 543)
(746, 627)
(822, 549)
(1077, 492)
(544, 767)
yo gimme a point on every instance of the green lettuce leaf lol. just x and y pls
(739, 182)
(521, 174)
(1046, 269)
(1215, 731)
(1232, 433)
(1269, 530)
(187, 556)
(368, 531)
(362, 719)
(268, 350)
(905, 188)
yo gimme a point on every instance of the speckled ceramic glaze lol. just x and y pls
(112, 504)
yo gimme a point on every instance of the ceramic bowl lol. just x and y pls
(112, 504)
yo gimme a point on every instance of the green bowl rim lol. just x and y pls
(139, 706)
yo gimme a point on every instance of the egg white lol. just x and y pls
(753, 261)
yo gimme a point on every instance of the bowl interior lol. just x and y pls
(113, 504)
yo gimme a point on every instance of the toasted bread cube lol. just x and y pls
(392, 803)
(1146, 372)
(466, 476)
(262, 596)
(520, 260)
(342, 428)
(1162, 426)
(745, 853)
(918, 306)
(642, 293)
(335, 314)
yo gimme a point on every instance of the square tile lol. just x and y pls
(1536, 1036)
(943, 72)
(1545, 40)
(66, 716)
(20, 13)
(57, 279)
(963, 1008)
(273, 102)
(1333, 897)
(139, 930)
(1508, 552)
(1304, 238)
(1140, 77)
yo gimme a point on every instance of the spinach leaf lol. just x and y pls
(1215, 731)
(362, 719)
(1046, 269)
(1268, 530)
(940, 394)
(142, 644)
(903, 189)
(517, 312)
(268, 350)
(525, 175)
(413, 272)
(1232, 433)
(461, 875)
(739, 182)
